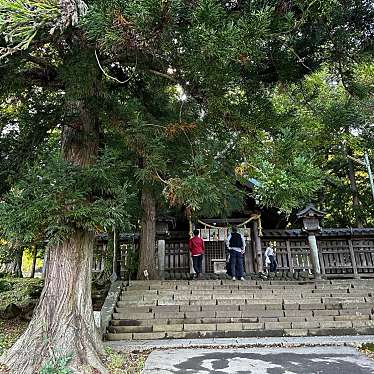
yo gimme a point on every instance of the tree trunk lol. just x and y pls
(45, 262)
(33, 266)
(14, 267)
(71, 12)
(147, 247)
(353, 184)
(63, 323)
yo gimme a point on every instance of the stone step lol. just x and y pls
(224, 308)
(219, 293)
(362, 283)
(169, 305)
(232, 305)
(150, 322)
(239, 294)
(235, 316)
(232, 330)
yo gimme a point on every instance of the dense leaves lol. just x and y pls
(211, 95)
(53, 198)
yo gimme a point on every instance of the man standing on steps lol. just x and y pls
(197, 248)
(236, 244)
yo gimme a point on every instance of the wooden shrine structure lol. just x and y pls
(343, 252)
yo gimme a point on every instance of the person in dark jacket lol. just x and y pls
(197, 248)
(236, 245)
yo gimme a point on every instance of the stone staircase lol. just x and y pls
(233, 309)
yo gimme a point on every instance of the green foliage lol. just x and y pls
(26, 120)
(224, 60)
(368, 347)
(19, 291)
(329, 122)
(54, 198)
(57, 365)
(20, 21)
(290, 187)
(205, 194)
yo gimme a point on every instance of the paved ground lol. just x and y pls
(311, 360)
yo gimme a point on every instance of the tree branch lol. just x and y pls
(164, 75)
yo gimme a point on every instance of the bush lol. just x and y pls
(19, 291)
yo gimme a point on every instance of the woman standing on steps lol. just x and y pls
(270, 258)
(197, 248)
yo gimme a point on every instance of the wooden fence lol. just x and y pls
(347, 257)
(342, 252)
(292, 255)
(177, 256)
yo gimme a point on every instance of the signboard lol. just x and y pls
(221, 233)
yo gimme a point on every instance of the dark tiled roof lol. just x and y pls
(324, 232)
(309, 208)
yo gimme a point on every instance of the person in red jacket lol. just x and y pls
(197, 248)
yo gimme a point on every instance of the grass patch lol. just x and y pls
(10, 331)
(125, 362)
(368, 347)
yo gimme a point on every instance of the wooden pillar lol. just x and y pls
(353, 259)
(321, 260)
(258, 247)
(161, 257)
(116, 255)
(289, 254)
(248, 258)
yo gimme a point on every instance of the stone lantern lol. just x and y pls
(311, 225)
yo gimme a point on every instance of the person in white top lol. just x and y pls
(270, 257)
(236, 244)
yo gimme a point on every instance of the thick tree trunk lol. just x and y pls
(147, 248)
(63, 323)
